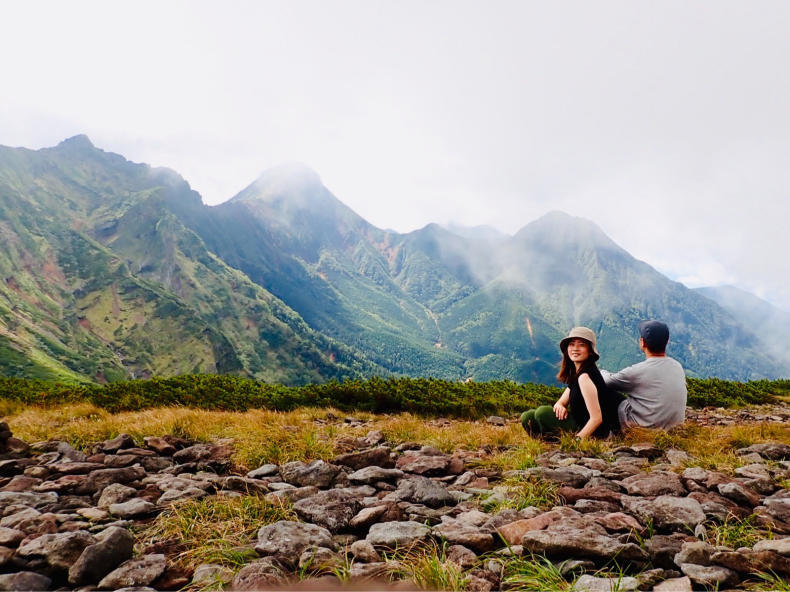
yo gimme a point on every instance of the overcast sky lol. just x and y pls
(666, 123)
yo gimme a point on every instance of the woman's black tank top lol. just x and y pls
(608, 400)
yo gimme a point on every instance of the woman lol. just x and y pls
(593, 407)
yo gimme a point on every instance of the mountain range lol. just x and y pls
(114, 270)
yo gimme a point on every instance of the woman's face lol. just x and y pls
(578, 350)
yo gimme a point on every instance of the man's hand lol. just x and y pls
(560, 411)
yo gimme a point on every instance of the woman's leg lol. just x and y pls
(548, 422)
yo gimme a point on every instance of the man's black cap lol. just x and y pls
(655, 334)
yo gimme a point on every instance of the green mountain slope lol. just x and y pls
(102, 281)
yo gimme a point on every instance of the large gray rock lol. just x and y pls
(458, 532)
(120, 442)
(10, 537)
(115, 545)
(421, 490)
(710, 576)
(374, 457)
(739, 494)
(24, 580)
(662, 549)
(140, 571)
(654, 484)
(781, 546)
(667, 512)
(778, 505)
(771, 450)
(97, 480)
(115, 493)
(588, 583)
(266, 470)
(131, 508)
(698, 552)
(423, 464)
(397, 534)
(574, 542)
(287, 540)
(176, 495)
(371, 475)
(25, 498)
(210, 575)
(317, 473)
(265, 574)
(333, 509)
(571, 476)
(60, 550)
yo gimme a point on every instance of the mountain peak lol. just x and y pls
(558, 228)
(79, 142)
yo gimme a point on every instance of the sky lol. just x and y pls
(666, 123)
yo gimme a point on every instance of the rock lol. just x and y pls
(133, 507)
(710, 575)
(457, 532)
(21, 483)
(771, 451)
(115, 493)
(375, 474)
(333, 509)
(572, 476)
(140, 571)
(780, 546)
(10, 537)
(572, 494)
(778, 505)
(291, 495)
(114, 546)
(367, 516)
(588, 583)
(363, 551)
(397, 534)
(373, 457)
(666, 512)
(423, 464)
(266, 470)
(677, 458)
(574, 542)
(287, 540)
(697, 552)
(663, 548)
(754, 471)
(461, 556)
(194, 453)
(260, 575)
(654, 484)
(767, 561)
(211, 575)
(177, 495)
(674, 585)
(24, 498)
(588, 506)
(120, 442)
(60, 550)
(421, 490)
(495, 420)
(25, 580)
(97, 480)
(159, 445)
(617, 521)
(318, 558)
(316, 474)
(739, 494)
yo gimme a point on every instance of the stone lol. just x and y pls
(60, 550)
(666, 512)
(674, 585)
(318, 558)
(363, 551)
(21, 483)
(140, 571)
(710, 575)
(768, 561)
(778, 506)
(97, 480)
(194, 453)
(678, 458)
(780, 546)
(333, 509)
(159, 445)
(698, 552)
(571, 476)
(132, 508)
(316, 474)
(177, 495)
(397, 534)
(367, 516)
(287, 540)
(753, 471)
(423, 464)
(25, 498)
(292, 494)
(114, 546)
(587, 506)
(260, 575)
(663, 548)
(457, 532)
(115, 493)
(25, 580)
(461, 556)
(10, 537)
(588, 583)
(211, 575)
(421, 490)
(120, 442)
(495, 420)
(572, 494)
(575, 542)
(373, 457)
(654, 484)
(618, 521)
(770, 451)
(374, 474)
(266, 470)
(739, 494)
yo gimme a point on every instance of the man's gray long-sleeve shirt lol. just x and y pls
(656, 390)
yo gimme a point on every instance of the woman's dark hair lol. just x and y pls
(567, 373)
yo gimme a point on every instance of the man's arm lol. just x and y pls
(621, 381)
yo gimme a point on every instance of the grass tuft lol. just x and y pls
(522, 493)
(533, 574)
(427, 566)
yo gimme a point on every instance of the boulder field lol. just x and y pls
(67, 517)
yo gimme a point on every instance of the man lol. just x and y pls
(656, 388)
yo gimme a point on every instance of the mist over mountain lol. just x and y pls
(113, 269)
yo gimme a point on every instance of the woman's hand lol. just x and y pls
(560, 411)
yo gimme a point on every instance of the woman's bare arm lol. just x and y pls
(590, 395)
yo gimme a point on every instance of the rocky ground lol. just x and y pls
(68, 518)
